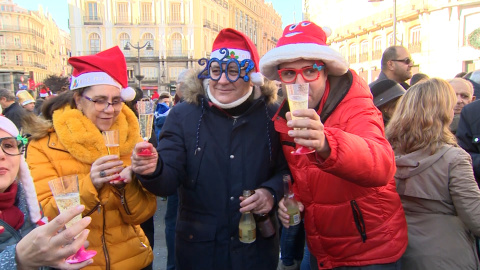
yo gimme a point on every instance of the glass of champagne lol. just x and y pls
(146, 110)
(298, 100)
(113, 146)
(66, 194)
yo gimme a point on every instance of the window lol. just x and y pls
(390, 39)
(343, 51)
(150, 72)
(124, 39)
(94, 41)
(377, 48)
(415, 35)
(2, 40)
(175, 13)
(146, 12)
(148, 38)
(364, 51)
(18, 59)
(122, 12)
(16, 41)
(176, 44)
(92, 11)
(352, 53)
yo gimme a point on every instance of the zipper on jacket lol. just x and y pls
(124, 203)
(104, 246)
(358, 218)
(11, 230)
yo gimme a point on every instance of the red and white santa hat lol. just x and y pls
(240, 47)
(304, 40)
(106, 67)
(45, 92)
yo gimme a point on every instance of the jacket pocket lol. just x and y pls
(193, 168)
(358, 218)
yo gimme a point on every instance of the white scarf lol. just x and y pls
(228, 105)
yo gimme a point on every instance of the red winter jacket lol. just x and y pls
(353, 214)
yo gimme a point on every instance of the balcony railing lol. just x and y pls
(352, 59)
(92, 20)
(210, 25)
(364, 57)
(177, 54)
(415, 48)
(16, 28)
(377, 54)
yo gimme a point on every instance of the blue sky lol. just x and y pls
(59, 10)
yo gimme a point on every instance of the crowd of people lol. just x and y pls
(390, 180)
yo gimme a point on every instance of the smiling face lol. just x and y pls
(9, 166)
(227, 92)
(104, 119)
(317, 87)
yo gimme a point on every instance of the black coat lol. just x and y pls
(468, 134)
(15, 113)
(212, 157)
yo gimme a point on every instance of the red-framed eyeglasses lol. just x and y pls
(309, 73)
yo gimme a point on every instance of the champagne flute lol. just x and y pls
(111, 138)
(146, 110)
(298, 100)
(66, 193)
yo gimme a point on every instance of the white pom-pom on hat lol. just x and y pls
(257, 78)
(128, 93)
(327, 30)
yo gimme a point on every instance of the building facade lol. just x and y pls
(31, 46)
(160, 38)
(443, 36)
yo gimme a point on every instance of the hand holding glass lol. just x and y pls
(298, 100)
(146, 110)
(111, 138)
(66, 194)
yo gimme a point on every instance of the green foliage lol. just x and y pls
(474, 39)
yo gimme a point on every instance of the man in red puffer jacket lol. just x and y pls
(353, 214)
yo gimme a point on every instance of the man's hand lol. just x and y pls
(46, 246)
(310, 132)
(282, 212)
(259, 203)
(144, 165)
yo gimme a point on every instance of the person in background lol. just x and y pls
(385, 97)
(26, 100)
(217, 143)
(71, 142)
(418, 77)
(352, 212)
(23, 244)
(435, 181)
(161, 111)
(396, 65)
(464, 91)
(11, 109)
(44, 94)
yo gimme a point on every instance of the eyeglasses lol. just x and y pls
(11, 146)
(406, 61)
(309, 74)
(232, 70)
(102, 104)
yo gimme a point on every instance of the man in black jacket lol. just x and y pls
(11, 109)
(468, 134)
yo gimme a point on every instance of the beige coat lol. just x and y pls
(442, 204)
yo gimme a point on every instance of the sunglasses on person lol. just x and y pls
(309, 73)
(12, 146)
(406, 61)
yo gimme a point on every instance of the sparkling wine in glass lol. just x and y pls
(298, 100)
(66, 194)
(111, 142)
(146, 110)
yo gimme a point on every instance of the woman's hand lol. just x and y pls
(311, 131)
(261, 202)
(144, 165)
(104, 170)
(45, 246)
(282, 212)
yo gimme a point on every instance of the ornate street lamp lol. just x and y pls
(139, 76)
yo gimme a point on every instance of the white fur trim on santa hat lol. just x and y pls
(241, 54)
(24, 175)
(92, 78)
(335, 63)
(128, 93)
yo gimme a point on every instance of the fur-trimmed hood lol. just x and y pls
(194, 87)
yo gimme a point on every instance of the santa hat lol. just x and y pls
(24, 176)
(106, 67)
(240, 47)
(45, 92)
(24, 98)
(304, 40)
(155, 95)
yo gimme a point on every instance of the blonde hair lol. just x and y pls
(422, 118)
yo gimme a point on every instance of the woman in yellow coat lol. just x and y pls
(72, 143)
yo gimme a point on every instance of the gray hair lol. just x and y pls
(4, 93)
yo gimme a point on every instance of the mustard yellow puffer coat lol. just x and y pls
(70, 146)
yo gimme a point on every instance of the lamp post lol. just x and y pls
(139, 76)
(394, 19)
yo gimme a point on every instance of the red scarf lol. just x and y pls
(8, 211)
